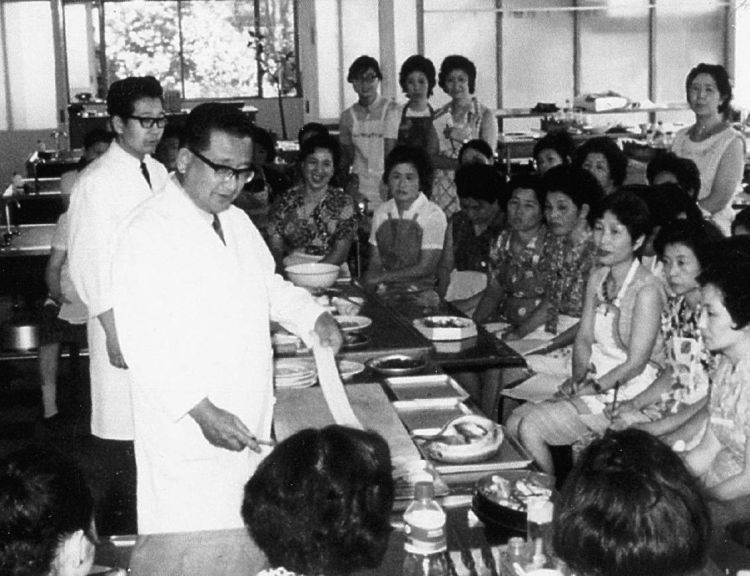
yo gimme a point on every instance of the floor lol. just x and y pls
(109, 468)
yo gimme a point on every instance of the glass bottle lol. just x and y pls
(424, 525)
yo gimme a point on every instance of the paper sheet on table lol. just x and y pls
(526, 346)
(538, 388)
(495, 327)
(333, 388)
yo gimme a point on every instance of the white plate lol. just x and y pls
(347, 369)
(350, 323)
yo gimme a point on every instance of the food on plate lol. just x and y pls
(348, 325)
(446, 322)
(514, 495)
(400, 362)
(466, 439)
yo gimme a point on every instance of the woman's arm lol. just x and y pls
(447, 261)
(490, 300)
(644, 331)
(727, 179)
(52, 274)
(276, 245)
(585, 335)
(339, 252)
(536, 319)
(672, 422)
(653, 393)
(374, 267)
(700, 458)
(427, 266)
(735, 486)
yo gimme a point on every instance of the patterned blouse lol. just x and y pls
(472, 251)
(691, 362)
(729, 418)
(333, 219)
(565, 269)
(519, 275)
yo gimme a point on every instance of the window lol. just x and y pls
(199, 48)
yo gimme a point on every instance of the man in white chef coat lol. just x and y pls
(195, 290)
(104, 194)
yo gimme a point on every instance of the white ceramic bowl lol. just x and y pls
(313, 275)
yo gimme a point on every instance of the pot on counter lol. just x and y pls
(20, 335)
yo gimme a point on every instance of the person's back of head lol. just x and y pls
(46, 516)
(123, 94)
(320, 503)
(630, 507)
(481, 182)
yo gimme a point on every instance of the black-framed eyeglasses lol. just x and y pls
(149, 122)
(224, 172)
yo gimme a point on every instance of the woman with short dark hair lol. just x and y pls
(320, 503)
(417, 79)
(716, 148)
(603, 158)
(459, 121)
(631, 508)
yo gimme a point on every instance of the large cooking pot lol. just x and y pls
(19, 335)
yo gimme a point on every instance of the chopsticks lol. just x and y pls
(614, 399)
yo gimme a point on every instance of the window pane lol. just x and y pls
(81, 45)
(142, 39)
(31, 64)
(217, 60)
(359, 21)
(329, 67)
(277, 25)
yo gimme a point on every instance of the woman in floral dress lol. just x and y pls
(314, 221)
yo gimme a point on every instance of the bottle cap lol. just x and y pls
(423, 490)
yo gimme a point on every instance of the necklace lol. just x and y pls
(606, 296)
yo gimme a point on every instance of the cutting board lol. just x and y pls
(306, 408)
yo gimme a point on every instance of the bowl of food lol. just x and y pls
(501, 498)
(446, 327)
(313, 274)
(464, 440)
(397, 364)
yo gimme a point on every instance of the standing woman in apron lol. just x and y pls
(367, 130)
(408, 230)
(617, 343)
(417, 80)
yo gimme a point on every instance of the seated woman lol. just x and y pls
(321, 502)
(603, 158)
(722, 458)
(476, 151)
(417, 80)
(617, 343)
(716, 148)
(667, 167)
(462, 272)
(630, 507)
(514, 285)
(554, 149)
(673, 406)
(572, 198)
(46, 516)
(314, 222)
(408, 230)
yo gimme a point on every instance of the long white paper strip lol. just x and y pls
(333, 388)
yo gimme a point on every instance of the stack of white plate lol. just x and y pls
(294, 373)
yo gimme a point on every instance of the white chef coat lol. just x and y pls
(104, 194)
(193, 318)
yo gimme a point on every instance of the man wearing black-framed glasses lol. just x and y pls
(104, 194)
(194, 293)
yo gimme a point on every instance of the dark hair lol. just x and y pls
(630, 210)
(577, 184)
(630, 507)
(685, 171)
(44, 499)
(527, 182)
(123, 94)
(214, 117)
(317, 141)
(481, 182)
(728, 269)
(616, 159)
(264, 139)
(480, 146)
(97, 135)
(417, 63)
(362, 65)
(741, 219)
(417, 157)
(311, 129)
(692, 234)
(320, 503)
(723, 83)
(559, 141)
(456, 62)
(665, 202)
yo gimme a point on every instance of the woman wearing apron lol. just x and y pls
(616, 344)
(417, 79)
(368, 129)
(408, 230)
